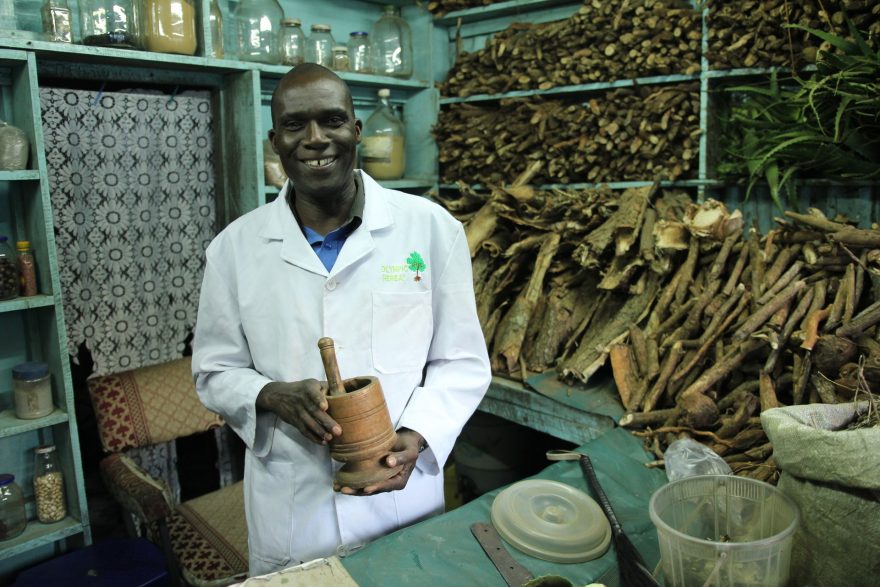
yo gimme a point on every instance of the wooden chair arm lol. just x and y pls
(136, 491)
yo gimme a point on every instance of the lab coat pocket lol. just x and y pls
(272, 482)
(403, 324)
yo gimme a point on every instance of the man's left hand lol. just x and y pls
(404, 452)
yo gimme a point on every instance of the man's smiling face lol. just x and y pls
(315, 133)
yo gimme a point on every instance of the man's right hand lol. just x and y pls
(303, 405)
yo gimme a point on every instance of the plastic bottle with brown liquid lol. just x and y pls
(383, 146)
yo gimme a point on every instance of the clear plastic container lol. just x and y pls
(215, 22)
(319, 45)
(9, 280)
(32, 390)
(110, 23)
(48, 485)
(383, 143)
(169, 26)
(360, 54)
(723, 531)
(14, 148)
(13, 518)
(392, 44)
(27, 269)
(258, 23)
(293, 42)
(340, 58)
(56, 21)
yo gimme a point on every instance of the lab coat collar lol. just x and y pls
(281, 225)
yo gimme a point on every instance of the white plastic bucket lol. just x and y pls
(723, 531)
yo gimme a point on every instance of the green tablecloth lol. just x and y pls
(442, 551)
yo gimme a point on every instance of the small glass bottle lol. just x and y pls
(293, 41)
(340, 58)
(110, 23)
(383, 148)
(32, 390)
(360, 58)
(319, 45)
(48, 485)
(392, 44)
(27, 269)
(56, 21)
(215, 20)
(258, 23)
(169, 26)
(13, 518)
(9, 282)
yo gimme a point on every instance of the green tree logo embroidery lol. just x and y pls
(416, 264)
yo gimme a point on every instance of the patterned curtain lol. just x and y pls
(132, 187)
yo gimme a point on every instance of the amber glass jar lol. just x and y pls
(169, 26)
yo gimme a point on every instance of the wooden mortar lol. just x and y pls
(358, 406)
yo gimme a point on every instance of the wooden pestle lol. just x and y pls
(331, 367)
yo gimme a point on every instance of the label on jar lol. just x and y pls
(33, 399)
(377, 148)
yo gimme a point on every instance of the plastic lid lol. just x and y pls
(30, 370)
(44, 449)
(384, 93)
(6, 479)
(23, 244)
(359, 34)
(324, 28)
(340, 48)
(3, 238)
(291, 22)
(552, 521)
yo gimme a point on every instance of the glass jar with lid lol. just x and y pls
(360, 55)
(48, 485)
(392, 44)
(56, 21)
(293, 42)
(110, 23)
(32, 390)
(340, 58)
(215, 22)
(9, 280)
(319, 45)
(13, 518)
(383, 148)
(258, 24)
(169, 26)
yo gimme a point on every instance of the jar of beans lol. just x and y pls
(48, 485)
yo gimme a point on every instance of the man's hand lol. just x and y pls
(404, 452)
(302, 404)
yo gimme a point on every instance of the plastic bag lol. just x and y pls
(13, 148)
(686, 457)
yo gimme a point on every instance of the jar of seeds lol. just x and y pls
(9, 280)
(48, 485)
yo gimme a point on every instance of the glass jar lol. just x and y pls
(383, 147)
(340, 58)
(359, 53)
(32, 390)
(27, 269)
(110, 23)
(293, 42)
(319, 45)
(48, 485)
(258, 23)
(392, 44)
(56, 21)
(14, 148)
(9, 284)
(169, 26)
(215, 21)
(13, 518)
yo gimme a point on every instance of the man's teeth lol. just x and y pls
(315, 163)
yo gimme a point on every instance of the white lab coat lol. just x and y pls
(266, 299)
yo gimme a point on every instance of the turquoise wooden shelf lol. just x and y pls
(499, 9)
(22, 175)
(11, 426)
(37, 535)
(16, 304)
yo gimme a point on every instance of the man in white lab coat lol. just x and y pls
(333, 256)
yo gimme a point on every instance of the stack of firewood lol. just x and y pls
(441, 7)
(753, 33)
(704, 325)
(603, 41)
(622, 134)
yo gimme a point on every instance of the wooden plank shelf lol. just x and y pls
(10, 425)
(497, 10)
(37, 534)
(27, 303)
(20, 175)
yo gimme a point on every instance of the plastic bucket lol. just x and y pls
(722, 530)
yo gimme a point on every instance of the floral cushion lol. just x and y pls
(149, 405)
